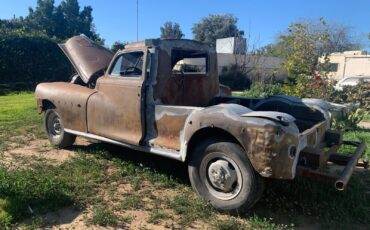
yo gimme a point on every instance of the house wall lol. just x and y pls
(349, 63)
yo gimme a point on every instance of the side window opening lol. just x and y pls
(189, 62)
(128, 65)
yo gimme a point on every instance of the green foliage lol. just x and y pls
(349, 122)
(216, 26)
(262, 90)
(338, 38)
(309, 87)
(62, 21)
(29, 52)
(31, 58)
(118, 45)
(359, 94)
(171, 30)
(235, 78)
(301, 49)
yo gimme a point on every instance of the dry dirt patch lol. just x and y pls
(20, 156)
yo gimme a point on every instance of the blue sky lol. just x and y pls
(263, 19)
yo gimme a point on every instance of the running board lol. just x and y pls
(173, 154)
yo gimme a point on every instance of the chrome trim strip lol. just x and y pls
(173, 154)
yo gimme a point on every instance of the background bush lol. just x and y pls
(31, 58)
(235, 78)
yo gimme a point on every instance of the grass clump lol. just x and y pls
(190, 208)
(104, 217)
(230, 224)
(132, 201)
(156, 216)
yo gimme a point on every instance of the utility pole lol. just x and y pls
(137, 20)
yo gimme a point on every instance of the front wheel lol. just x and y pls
(221, 173)
(54, 129)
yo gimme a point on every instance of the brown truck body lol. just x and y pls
(161, 105)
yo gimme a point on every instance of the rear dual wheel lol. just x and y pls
(222, 175)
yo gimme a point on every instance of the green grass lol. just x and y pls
(18, 117)
(357, 135)
(157, 215)
(366, 117)
(104, 217)
(91, 178)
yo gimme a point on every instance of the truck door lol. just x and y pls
(115, 111)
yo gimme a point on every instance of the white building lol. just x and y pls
(347, 64)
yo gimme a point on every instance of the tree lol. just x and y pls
(171, 30)
(62, 21)
(216, 26)
(338, 38)
(118, 45)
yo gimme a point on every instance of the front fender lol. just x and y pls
(69, 99)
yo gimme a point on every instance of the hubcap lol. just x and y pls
(56, 125)
(222, 175)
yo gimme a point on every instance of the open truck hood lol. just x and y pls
(86, 56)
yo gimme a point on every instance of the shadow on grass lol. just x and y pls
(27, 192)
(169, 167)
(303, 202)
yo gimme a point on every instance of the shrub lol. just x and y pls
(235, 78)
(30, 58)
(263, 90)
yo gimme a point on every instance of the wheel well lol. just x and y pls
(207, 133)
(46, 104)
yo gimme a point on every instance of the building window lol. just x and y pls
(333, 67)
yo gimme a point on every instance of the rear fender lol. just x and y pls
(265, 141)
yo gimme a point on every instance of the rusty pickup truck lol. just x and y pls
(151, 97)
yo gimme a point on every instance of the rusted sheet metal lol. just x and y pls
(86, 56)
(70, 101)
(170, 122)
(189, 89)
(115, 111)
(266, 143)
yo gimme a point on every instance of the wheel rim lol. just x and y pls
(54, 124)
(222, 175)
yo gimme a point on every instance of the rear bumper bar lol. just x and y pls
(316, 163)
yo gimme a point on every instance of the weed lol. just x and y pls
(266, 224)
(156, 216)
(104, 217)
(132, 201)
(230, 224)
(190, 208)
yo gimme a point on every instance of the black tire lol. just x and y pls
(209, 164)
(54, 129)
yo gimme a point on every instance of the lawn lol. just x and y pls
(117, 187)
